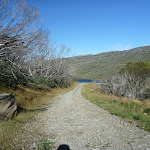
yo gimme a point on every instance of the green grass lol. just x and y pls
(46, 144)
(130, 109)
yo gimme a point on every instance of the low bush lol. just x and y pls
(147, 111)
(11, 77)
(133, 81)
(38, 86)
(51, 83)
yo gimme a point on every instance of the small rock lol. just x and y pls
(139, 146)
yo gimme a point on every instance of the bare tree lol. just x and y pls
(21, 34)
(24, 45)
(52, 67)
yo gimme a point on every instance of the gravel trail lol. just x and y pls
(75, 121)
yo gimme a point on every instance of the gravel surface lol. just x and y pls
(75, 121)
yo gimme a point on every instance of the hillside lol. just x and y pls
(107, 64)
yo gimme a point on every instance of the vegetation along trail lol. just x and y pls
(75, 121)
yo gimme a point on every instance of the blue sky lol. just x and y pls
(95, 26)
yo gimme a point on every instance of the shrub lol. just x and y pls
(11, 77)
(147, 111)
(42, 81)
(39, 79)
(140, 70)
(51, 83)
(133, 81)
(38, 86)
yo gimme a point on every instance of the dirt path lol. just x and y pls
(75, 121)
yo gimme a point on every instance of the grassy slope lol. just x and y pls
(130, 109)
(30, 103)
(107, 64)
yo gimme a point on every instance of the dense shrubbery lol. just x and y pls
(133, 81)
(38, 86)
(11, 78)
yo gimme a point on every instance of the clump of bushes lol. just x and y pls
(38, 86)
(133, 81)
(11, 77)
(147, 111)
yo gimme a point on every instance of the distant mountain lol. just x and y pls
(107, 64)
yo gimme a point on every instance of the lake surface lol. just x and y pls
(84, 80)
(88, 81)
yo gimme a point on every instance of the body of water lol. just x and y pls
(88, 81)
(84, 80)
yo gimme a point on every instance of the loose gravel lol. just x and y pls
(75, 121)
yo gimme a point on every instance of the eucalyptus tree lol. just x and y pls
(25, 48)
(21, 34)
